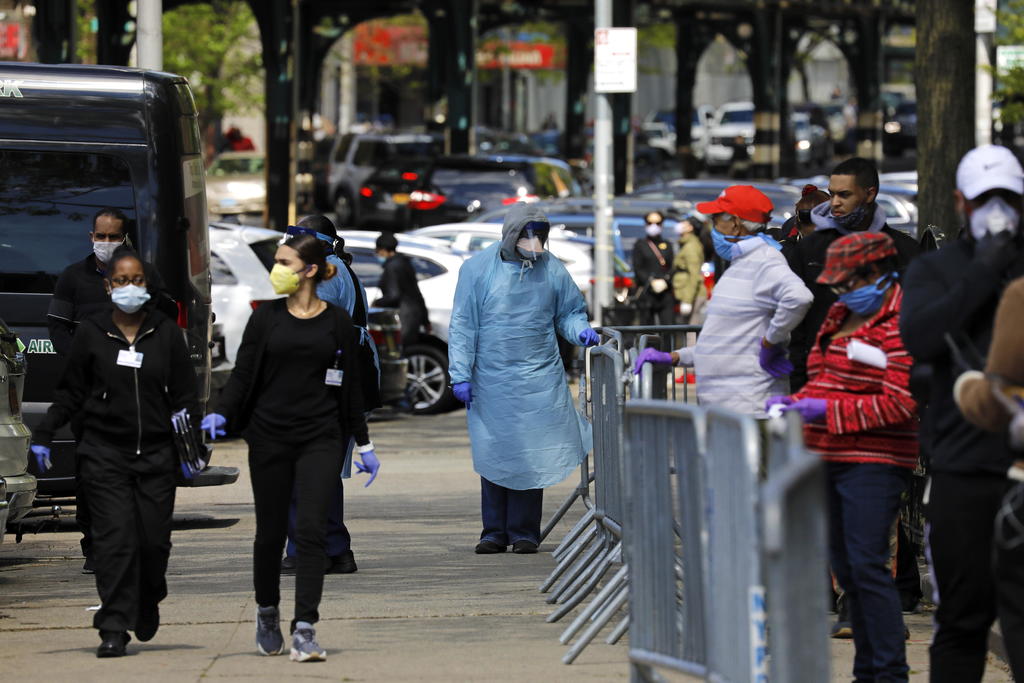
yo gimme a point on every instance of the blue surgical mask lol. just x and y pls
(129, 298)
(851, 220)
(868, 299)
(382, 260)
(723, 246)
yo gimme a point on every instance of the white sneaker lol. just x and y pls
(304, 645)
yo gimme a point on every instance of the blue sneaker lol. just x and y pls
(268, 631)
(304, 645)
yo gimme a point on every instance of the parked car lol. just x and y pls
(455, 188)
(356, 155)
(899, 133)
(565, 245)
(17, 486)
(385, 196)
(735, 119)
(236, 186)
(82, 137)
(701, 120)
(437, 269)
(811, 141)
(240, 263)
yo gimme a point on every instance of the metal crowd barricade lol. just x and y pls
(663, 338)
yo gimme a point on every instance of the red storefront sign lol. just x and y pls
(10, 40)
(517, 55)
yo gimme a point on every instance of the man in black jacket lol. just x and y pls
(652, 266)
(399, 288)
(954, 291)
(853, 187)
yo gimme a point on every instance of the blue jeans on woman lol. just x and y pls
(864, 500)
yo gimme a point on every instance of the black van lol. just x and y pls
(74, 139)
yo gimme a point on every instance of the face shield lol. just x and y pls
(532, 240)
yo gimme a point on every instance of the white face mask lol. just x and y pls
(992, 218)
(653, 229)
(104, 250)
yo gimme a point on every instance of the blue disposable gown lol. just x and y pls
(523, 426)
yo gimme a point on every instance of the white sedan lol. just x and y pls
(563, 244)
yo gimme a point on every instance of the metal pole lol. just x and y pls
(151, 34)
(347, 86)
(506, 82)
(984, 26)
(603, 273)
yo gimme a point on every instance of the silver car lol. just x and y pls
(17, 486)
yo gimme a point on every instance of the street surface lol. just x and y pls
(422, 607)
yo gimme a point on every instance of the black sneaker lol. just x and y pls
(842, 629)
(147, 622)
(910, 604)
(342, 564)
(87, 568)
(524, 547)
(288, 566)
(489, 548)
(113, 644)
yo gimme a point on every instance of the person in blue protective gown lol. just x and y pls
(511, 300)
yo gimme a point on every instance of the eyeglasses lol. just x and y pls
(123, 281)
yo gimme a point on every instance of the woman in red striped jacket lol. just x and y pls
(859, 414)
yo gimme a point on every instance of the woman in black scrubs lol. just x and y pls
(295, 396)
(128, 370)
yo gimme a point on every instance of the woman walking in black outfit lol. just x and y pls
(295, 396)
(128, 370)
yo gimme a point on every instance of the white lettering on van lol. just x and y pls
(40, 346)
(10, 88)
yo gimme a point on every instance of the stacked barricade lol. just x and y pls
(700, 541)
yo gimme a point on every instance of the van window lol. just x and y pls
(47, 203)
(343, 145)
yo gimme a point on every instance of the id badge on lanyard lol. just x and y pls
(335, 375)
(129, 358)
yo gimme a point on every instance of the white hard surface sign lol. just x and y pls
(615, 60)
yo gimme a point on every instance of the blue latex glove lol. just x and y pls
(778, 400)
(810, 409)
(42, 454)
(369, 464)
(650, 355)
(773, 360)
(464, 392)
(213, 424)
(589, 338)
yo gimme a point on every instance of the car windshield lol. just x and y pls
(47, 204)
(906, 108)
(265, 251)
(235, 166)
(738, 116)
(419, 148)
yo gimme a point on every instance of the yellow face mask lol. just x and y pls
(283, 279)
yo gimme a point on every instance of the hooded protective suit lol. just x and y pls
(523, 426)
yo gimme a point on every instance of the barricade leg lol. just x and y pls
(617, 602)
(566, 543)
(567, 561)
(581, 565)
(592, 609)
(591, 582)
(620, 630)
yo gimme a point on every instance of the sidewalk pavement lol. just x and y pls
(422, 607)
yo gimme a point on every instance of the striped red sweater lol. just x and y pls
(871, 416)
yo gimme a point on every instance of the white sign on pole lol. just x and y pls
(985, 16)
(1009, 57)
(615, 60)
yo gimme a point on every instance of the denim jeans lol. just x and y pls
(863, 501)
(510, 515)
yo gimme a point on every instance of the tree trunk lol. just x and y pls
(945, 73)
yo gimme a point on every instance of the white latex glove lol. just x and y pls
(685, 309)
(658, 285)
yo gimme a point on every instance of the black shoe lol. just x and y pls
(342, 564)
(489, 548)
(113, 644)
(524, 547)
(147, 622)
(910, 604)
(288, 565)
(87, 568)
(842, 629)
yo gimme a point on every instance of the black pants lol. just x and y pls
(975, 581)
(657, 309)
(82, 510)
(131, 505)
(312, 468)
(510, 515)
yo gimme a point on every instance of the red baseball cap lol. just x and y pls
(743, 201)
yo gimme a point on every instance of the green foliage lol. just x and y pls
(1010, 84)
(216, 46)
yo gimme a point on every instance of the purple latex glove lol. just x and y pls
(778, 400)
(464, 392)
(810, 409)
(369, 465)
(589, 337)
(773, 360)
(650, 355)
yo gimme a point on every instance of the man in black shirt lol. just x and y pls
(400, 289)
(79, 294)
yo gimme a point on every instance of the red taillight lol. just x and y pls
(420, 200)
(182, 315)
(409, 175)
(366, 192)
(526, 199)
(623, 282)
(378, 336)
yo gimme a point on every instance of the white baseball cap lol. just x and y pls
(989, 167)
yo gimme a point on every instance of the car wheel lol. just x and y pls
(428, 388)
(342, 210)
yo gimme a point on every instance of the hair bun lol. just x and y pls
(808, 189)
